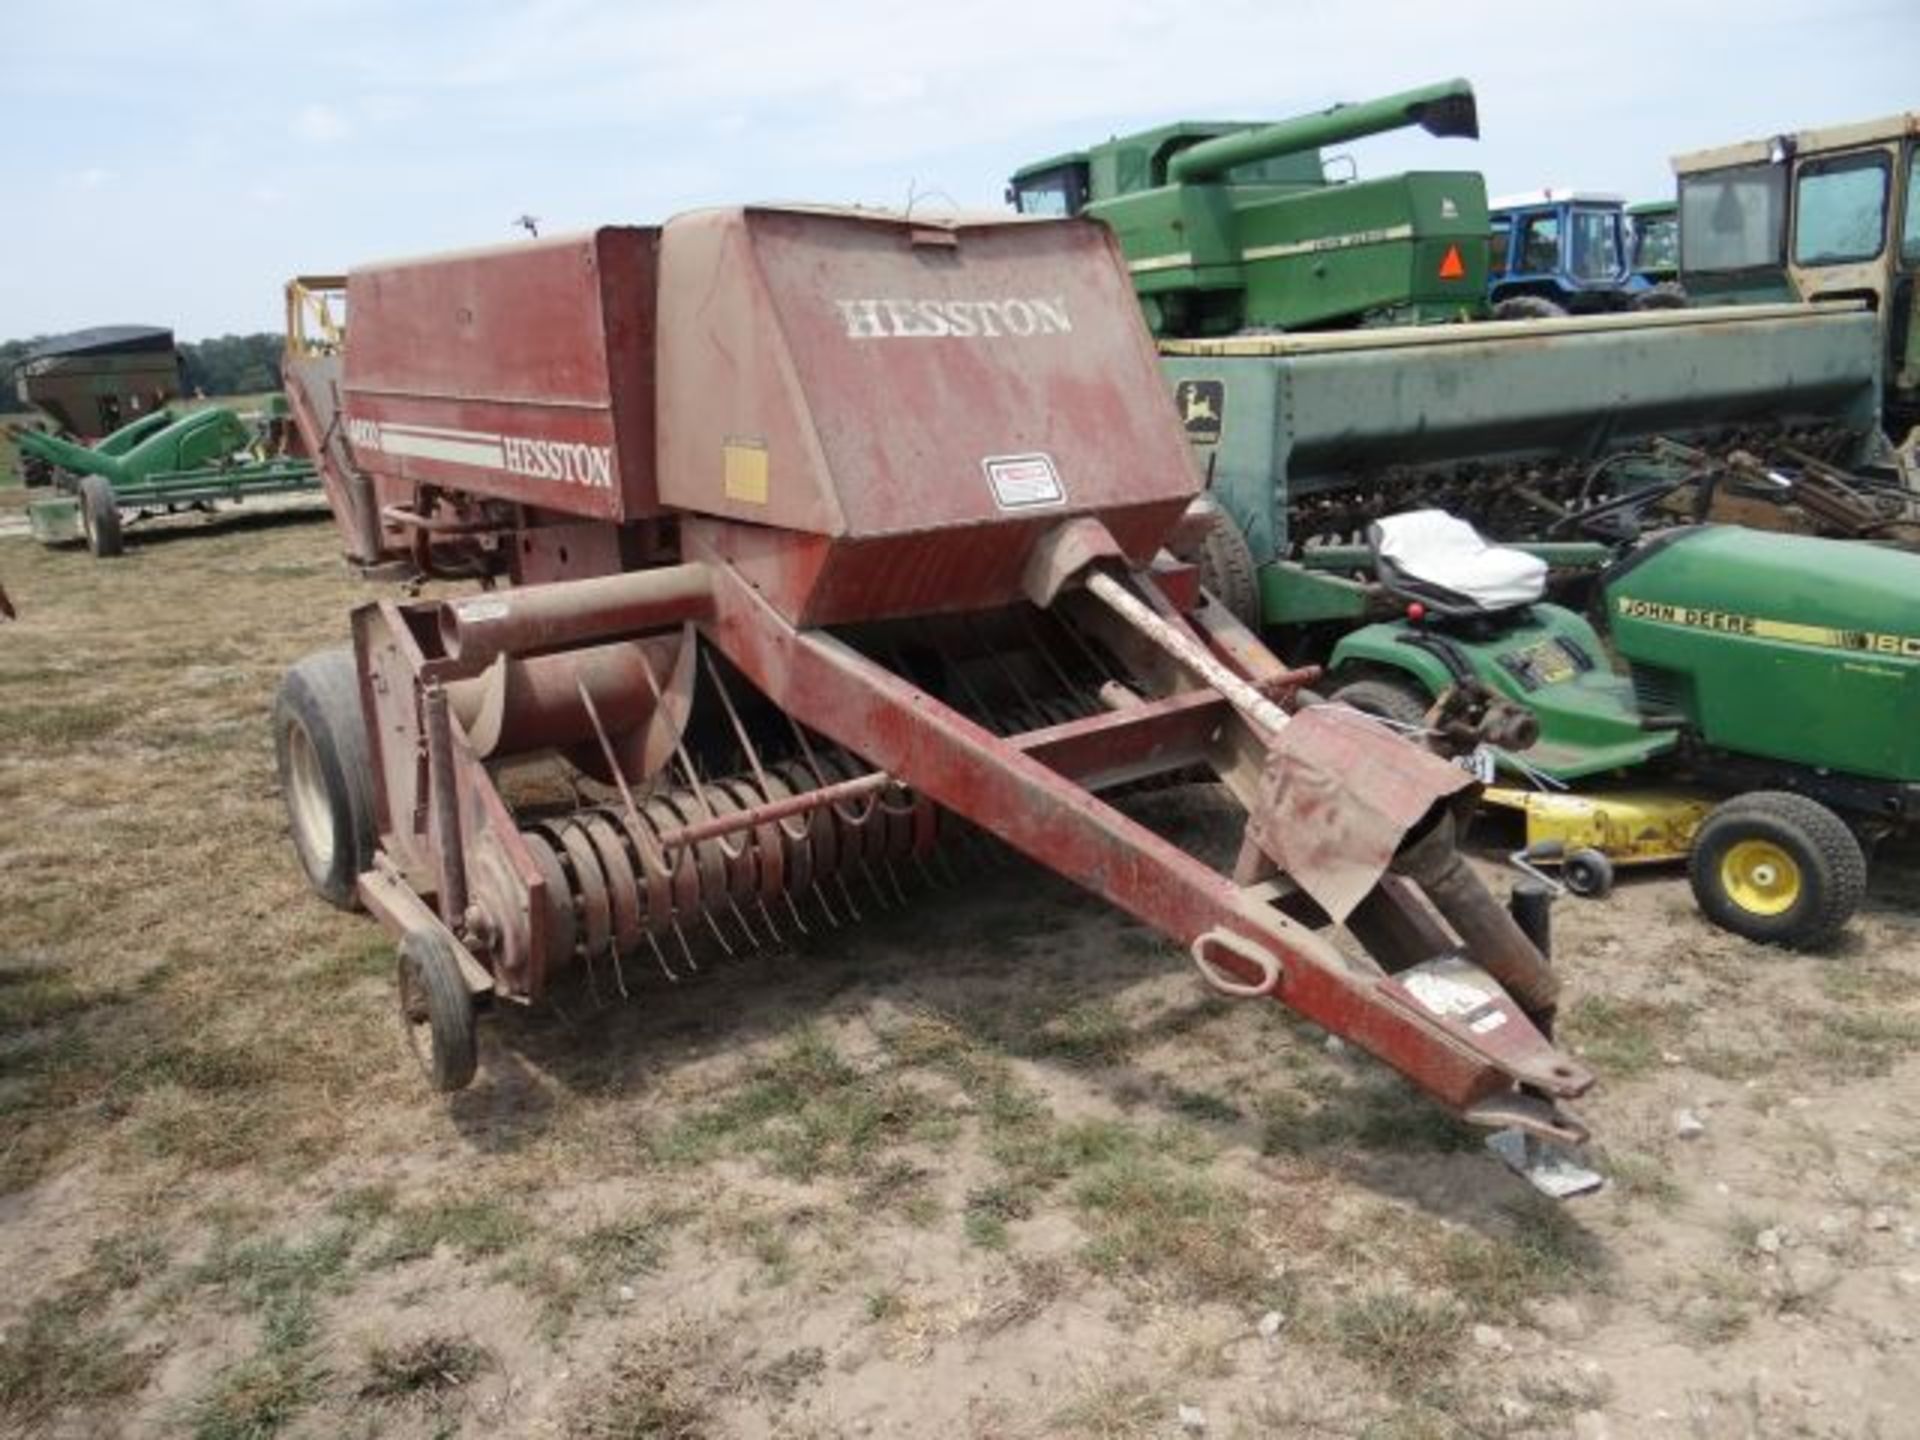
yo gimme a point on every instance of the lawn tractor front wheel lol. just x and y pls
(1778, 868)
(1386, 698)
(436, 1010)
(100, 517)
(320, 745)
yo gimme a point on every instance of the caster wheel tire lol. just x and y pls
(1587, 873)
(436, 1010)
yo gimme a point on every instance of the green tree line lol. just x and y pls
(223, 365)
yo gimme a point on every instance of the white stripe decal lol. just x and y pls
(442, 431)
(1162, 262)
(1331, 242)
(479, 450)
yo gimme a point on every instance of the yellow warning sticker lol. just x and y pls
(745, 478)
(1827, 637)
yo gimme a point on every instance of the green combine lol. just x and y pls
(1236, 226)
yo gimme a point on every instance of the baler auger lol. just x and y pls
(808, 537)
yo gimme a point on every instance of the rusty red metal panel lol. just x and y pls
(523, 372)
(930, 397)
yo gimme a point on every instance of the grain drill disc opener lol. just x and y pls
(812, 542)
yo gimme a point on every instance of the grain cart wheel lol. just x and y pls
(436, 1010)
(100, 516)
(1390, 699)
(1778, 868)
(1587, 873)
(1226, 568)
(1528, 307)
(320, 744)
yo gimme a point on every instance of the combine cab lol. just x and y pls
(813, 544)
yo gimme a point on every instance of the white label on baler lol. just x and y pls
(485, 608)
(1442, 994)
(1024, 482)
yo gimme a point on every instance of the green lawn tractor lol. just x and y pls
(1754, 707)
(161, 463)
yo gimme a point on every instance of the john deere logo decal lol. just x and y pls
(1203, 408)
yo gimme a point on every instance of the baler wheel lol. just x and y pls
(1778, 868)
(436, 1010)
(1386, 698)
(100, 517)
(320, 746)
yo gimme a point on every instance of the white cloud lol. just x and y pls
(321, 124)
(94, 177)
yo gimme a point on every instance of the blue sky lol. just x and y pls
(174, 163)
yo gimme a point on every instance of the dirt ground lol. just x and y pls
(992, 1164)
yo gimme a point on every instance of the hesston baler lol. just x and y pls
(810, 538)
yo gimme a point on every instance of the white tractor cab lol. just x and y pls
(1827, 214)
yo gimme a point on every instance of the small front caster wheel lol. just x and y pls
(436, 1009)
(1587, 873)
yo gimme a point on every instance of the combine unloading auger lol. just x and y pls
(811, 538)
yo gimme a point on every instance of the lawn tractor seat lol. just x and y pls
(1449, 567)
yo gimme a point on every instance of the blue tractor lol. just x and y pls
(1565, 252)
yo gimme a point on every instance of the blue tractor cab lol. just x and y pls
(1560, 252)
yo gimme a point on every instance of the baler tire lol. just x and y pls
(1227, 569)
(1528, 307)
(326, 775)
(100, 517)
(1588, 873)
(437, 1011)
(1385, 698)
(1774, 840)
(1667, 295)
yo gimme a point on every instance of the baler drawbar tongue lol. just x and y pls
(818, 549)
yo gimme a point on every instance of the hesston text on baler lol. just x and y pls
(810, 537)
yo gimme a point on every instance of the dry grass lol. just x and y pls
(999, 1131)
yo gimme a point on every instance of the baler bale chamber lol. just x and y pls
(810, 540)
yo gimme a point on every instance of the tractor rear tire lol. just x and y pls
(1227, 571)
(100, 517)
(1778, 868)
(326, 776)
(1667, 295)
(436, 1011)
(1386, 698)
(1528, 307)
